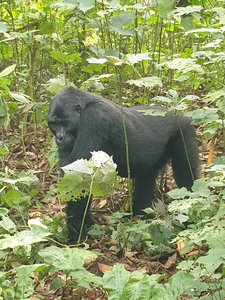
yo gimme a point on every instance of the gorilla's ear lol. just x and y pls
(78, 109)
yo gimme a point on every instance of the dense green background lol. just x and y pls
(132, 52)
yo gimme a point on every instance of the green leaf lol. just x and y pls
(24, 238)
(3, 151)
(57, 283)
(3, 211)
(94, 60)
(67, 259)
(24, 99)
(115, 281)
(12, 197)
(181, 11)
(165, 7)
(25, 180)
(177, 285)
(203, 30)
(188, 22)
(7, 224)
(214, 96)
(183, 65)
(213, 260)
(54, 85)
(24, 283)
(8, 70)
(117, 22)
(66, 57)
(146, 82)
(202, 187)
(179, 193)
(3, 27)
(136, 58)
(71, 186)
(96, 176)
(86, 5)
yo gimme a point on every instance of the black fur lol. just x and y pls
(83, 122)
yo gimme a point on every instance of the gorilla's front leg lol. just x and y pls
(75, 213)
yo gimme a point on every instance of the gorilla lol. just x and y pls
(82, 122)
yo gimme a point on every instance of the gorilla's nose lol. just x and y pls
(60, 137)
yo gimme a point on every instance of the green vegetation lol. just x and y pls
(132, 52)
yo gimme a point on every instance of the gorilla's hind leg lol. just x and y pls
(143, 194)
(185, 159)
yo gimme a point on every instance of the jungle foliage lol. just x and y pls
(133, 52)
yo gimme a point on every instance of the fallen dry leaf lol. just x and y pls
(104, 268)
(171, 261)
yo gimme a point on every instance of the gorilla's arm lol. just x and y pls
(90, 137)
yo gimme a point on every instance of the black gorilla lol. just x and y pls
(82, 122)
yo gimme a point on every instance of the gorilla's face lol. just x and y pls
(63, 121)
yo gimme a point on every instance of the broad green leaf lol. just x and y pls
(179, 193)
(121, 284)
(191, 98)
(165, 7)
(96, 176)
(117, 22)
(66, 57)
(3, 27)
(177, 285)
(183, 65)
(202, 187)
(138, 287)
(3, 151)
(136, 58)
(7, 224)
(25, 180)
(3, 211)
(68, 186)
(93, 60)
(180, 11)
(182, 78)
(12, 197)
(162, 99)
(8, 70)
(86, 5)
(24, 280)
(24, 238)
(205, 115)
(115, 60)
(214, 96)
(213, 260)
(203, 30)
(67, 258)
(146, 82)
(24, 99)
(115, 281)
(80, 166)
(54, 85)
(203, 54)
(57, 283)
(120, 20)
(214, 44)
(188, 22)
